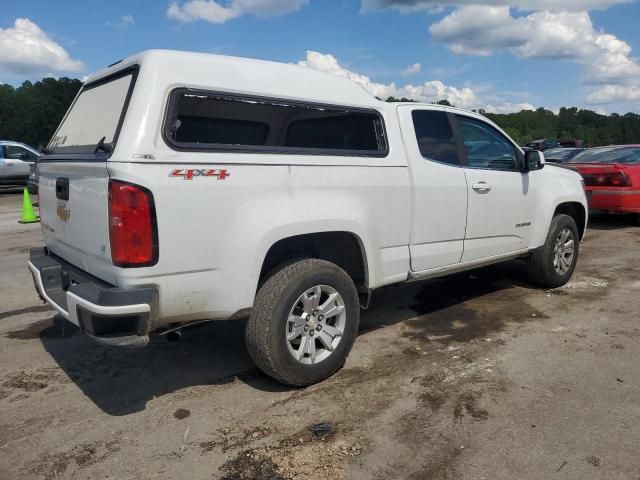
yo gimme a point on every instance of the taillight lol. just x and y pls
(132, 225)
(615, 179)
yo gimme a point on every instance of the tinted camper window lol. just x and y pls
(190, 129)
(208, 121)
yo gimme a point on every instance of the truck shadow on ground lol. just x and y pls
(604, 221)
(122, 381)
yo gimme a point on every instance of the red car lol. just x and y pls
(611, 177)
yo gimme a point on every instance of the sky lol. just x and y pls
(490, 54)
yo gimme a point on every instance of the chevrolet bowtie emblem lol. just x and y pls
(63, 212)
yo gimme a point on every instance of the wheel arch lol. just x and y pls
(576, 211)
(344, 248)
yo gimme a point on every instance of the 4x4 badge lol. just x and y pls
(189, 173)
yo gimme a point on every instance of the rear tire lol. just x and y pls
(287, 335)
(552, 265)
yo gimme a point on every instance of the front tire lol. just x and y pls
(552, 265)
(304, 322)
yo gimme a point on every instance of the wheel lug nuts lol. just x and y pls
(315, 312)
(306, 327)
(320, 317)
(319, 327)
(311, 333)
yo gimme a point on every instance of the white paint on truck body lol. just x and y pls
(410, 215)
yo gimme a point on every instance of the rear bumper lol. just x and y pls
(108, 314)
(615, 200)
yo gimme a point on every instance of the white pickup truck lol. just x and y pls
(183, 187)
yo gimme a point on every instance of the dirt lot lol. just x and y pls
(479, 376)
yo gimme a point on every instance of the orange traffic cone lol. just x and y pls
(28, 215)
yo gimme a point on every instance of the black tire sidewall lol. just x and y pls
(295, 372)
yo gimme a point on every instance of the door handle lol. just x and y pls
(481, 187)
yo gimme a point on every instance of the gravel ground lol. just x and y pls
(477, 376)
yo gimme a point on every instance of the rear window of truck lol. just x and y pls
(96, 115)
(212, 121)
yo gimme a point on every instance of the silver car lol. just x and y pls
(16, 162)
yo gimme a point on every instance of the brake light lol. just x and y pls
(615, 179)
(132, 225)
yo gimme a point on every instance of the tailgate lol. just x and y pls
(73, 200)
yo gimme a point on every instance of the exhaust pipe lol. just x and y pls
(174, 334)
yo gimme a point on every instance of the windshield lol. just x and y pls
(94, 116)
(559, 154)
(608, 155)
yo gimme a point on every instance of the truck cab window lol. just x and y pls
(486, 147)
(435, 136)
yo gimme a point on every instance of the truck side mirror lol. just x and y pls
(533, 160)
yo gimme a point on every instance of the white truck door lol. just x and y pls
(499, 216)
(439, 187)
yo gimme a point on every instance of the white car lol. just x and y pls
(16, 161)
(184, 187)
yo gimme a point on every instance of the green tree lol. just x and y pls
(31, 112)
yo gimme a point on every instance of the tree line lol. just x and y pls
(570, 123)
(31, 112)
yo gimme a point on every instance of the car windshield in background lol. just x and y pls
(559, 154)
(93, 120)
(609, 155)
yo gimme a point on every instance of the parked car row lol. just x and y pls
(542, 144)
(546, 144)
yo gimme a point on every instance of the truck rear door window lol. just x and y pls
(211, 121)
(436, 140)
